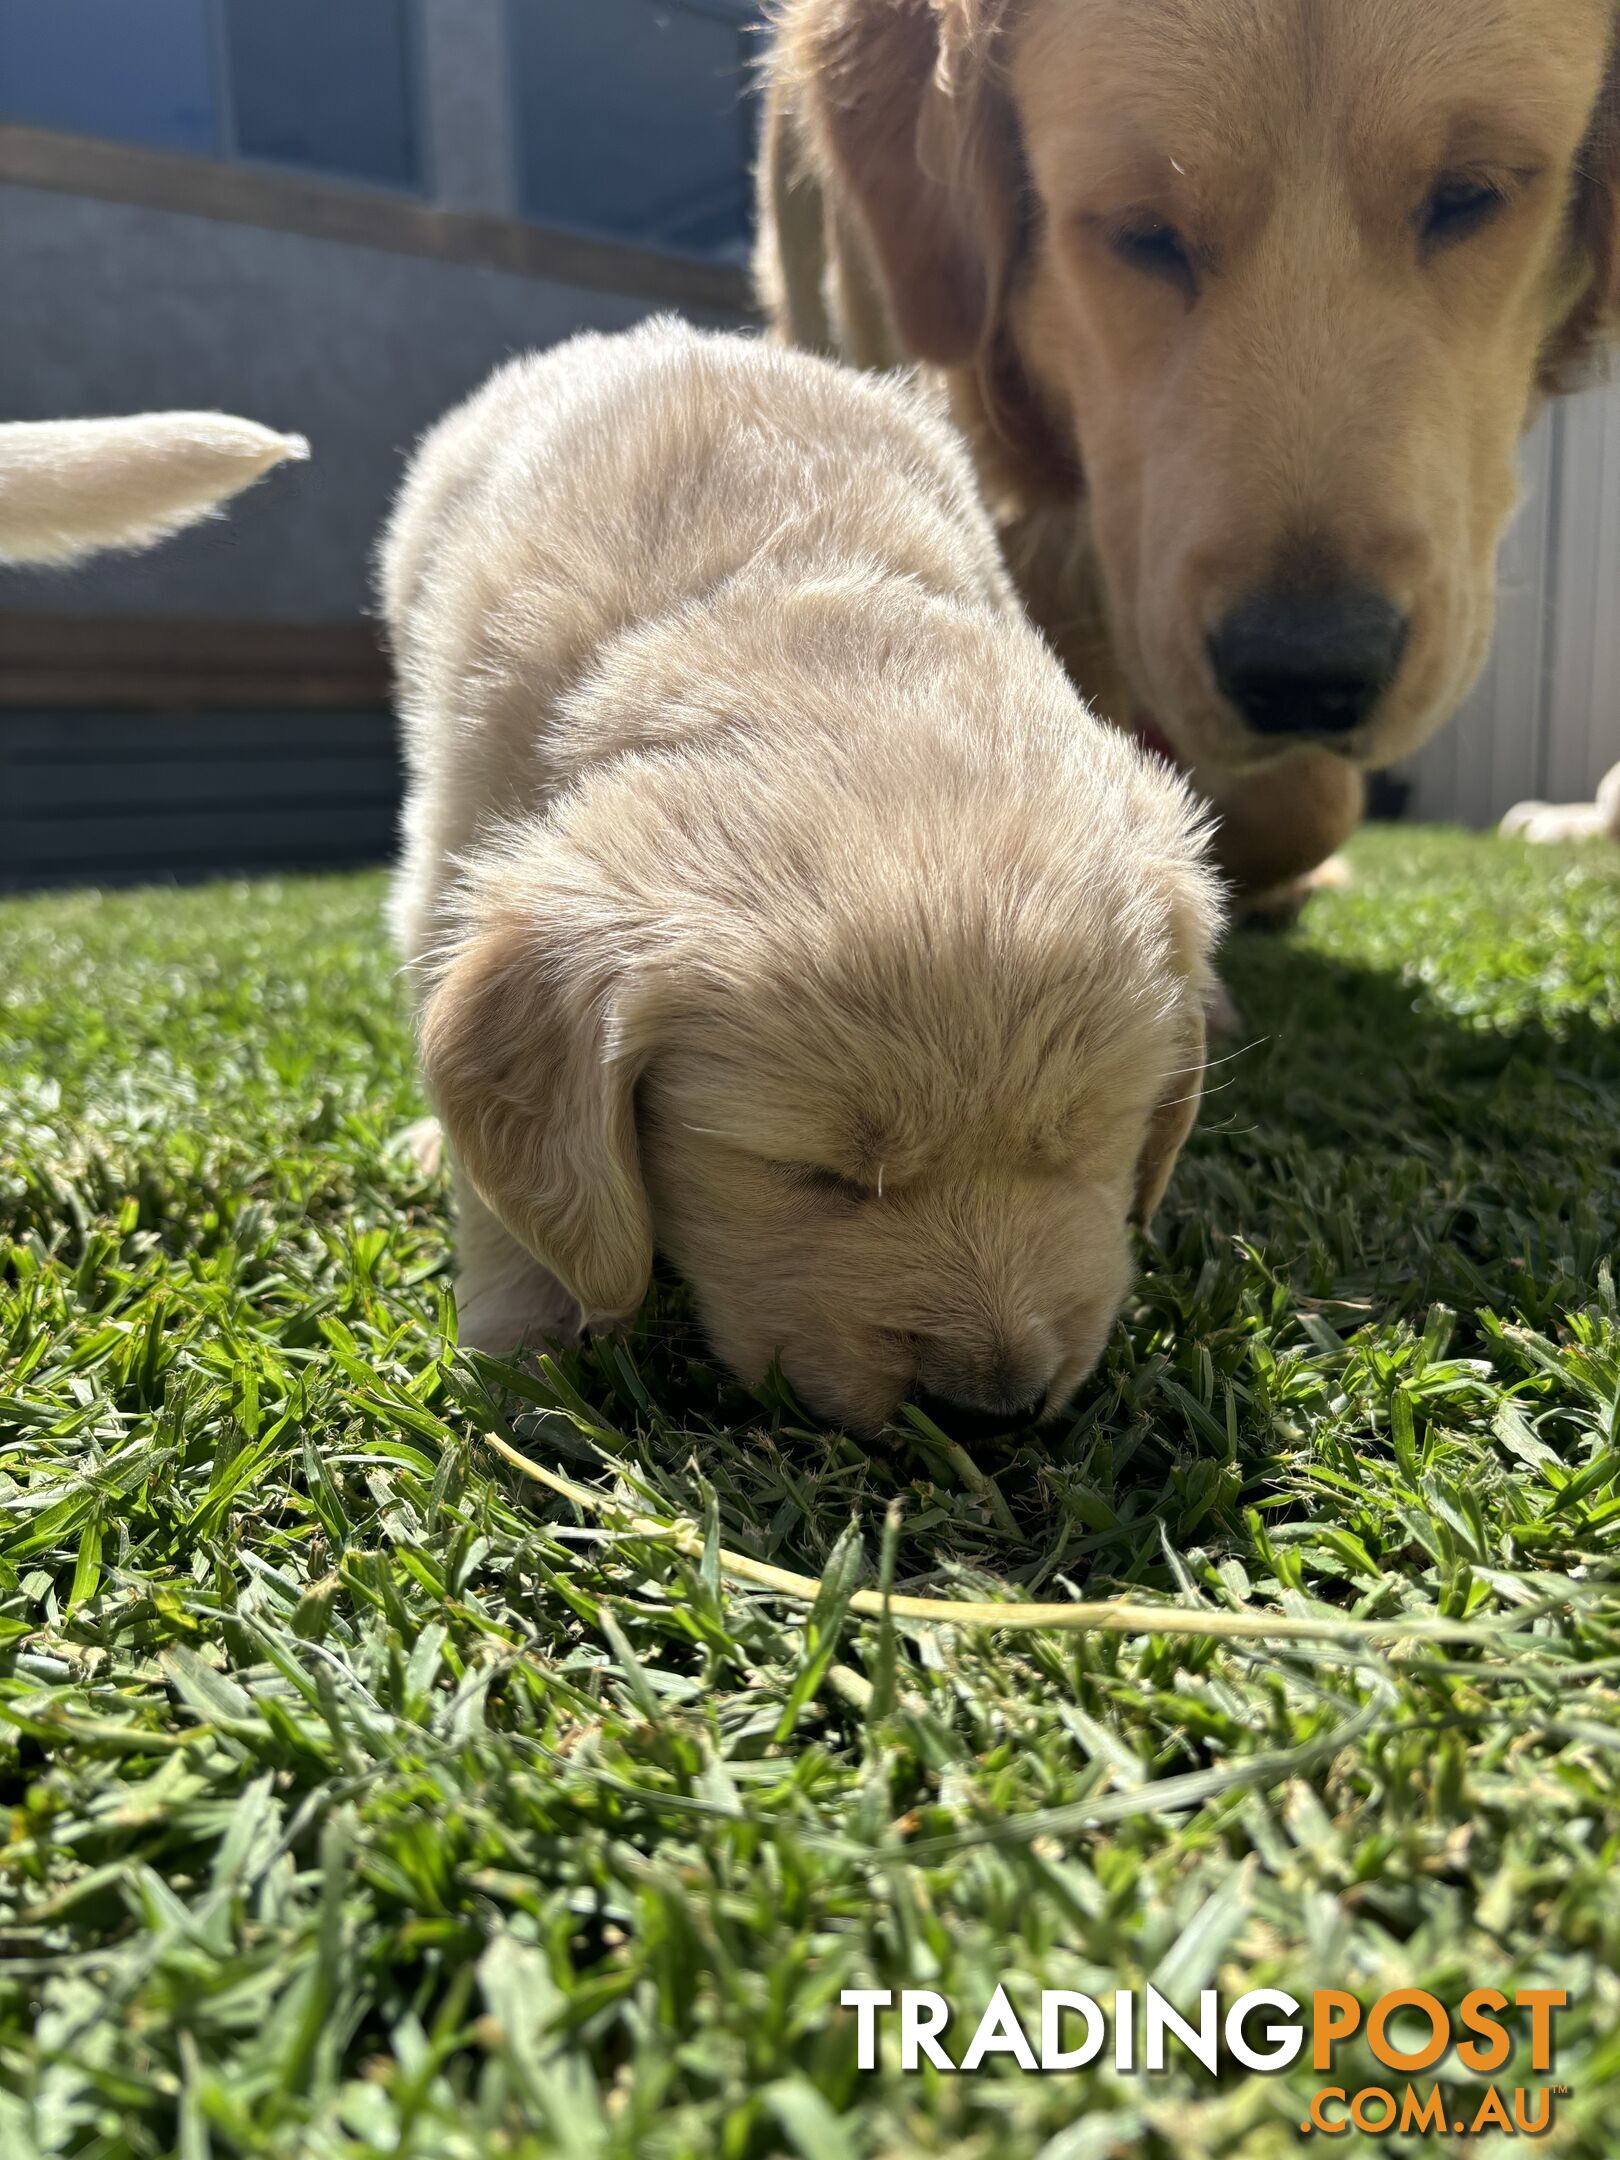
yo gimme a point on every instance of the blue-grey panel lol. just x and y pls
(137, 70)
(633, 120)
(118, 798)
(325, 84)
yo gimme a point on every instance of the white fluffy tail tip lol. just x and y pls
(69, 488)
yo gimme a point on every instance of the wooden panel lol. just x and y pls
(219, 736)
(283, 831)
(125, 786)
(187, 666)
(282, 856)
(115, 797)
(361, 217)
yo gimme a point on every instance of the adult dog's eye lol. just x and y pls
(1457, 207)
(832, 1183)
(1153, 246)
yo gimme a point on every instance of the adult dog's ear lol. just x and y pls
(904, 97)
(1594, 318)
(527, 1046)
(1174, 1117)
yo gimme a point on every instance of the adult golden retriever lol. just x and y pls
(1244, 305)
(775, 902)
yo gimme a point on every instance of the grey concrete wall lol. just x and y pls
(109, 308)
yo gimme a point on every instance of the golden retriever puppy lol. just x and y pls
(774, 901)
(69, 488)
(1245, 305)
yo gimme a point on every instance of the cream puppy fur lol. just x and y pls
(773, 900)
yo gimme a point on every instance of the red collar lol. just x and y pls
(1152, 737)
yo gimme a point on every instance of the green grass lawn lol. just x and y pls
(366, 1798)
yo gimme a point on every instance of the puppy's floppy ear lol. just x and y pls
(1196, 916)
(1173, 1118)
(527, 1047)
(1595, 234)
(903, 95)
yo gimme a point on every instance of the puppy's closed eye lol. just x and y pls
(1152, 245)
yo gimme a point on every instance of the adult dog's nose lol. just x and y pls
(1308, 663)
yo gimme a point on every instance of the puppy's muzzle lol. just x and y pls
(982, 1397)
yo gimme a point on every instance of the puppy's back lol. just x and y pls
(608, 484)
(603, 483)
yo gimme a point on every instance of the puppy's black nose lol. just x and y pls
(1308, 663)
